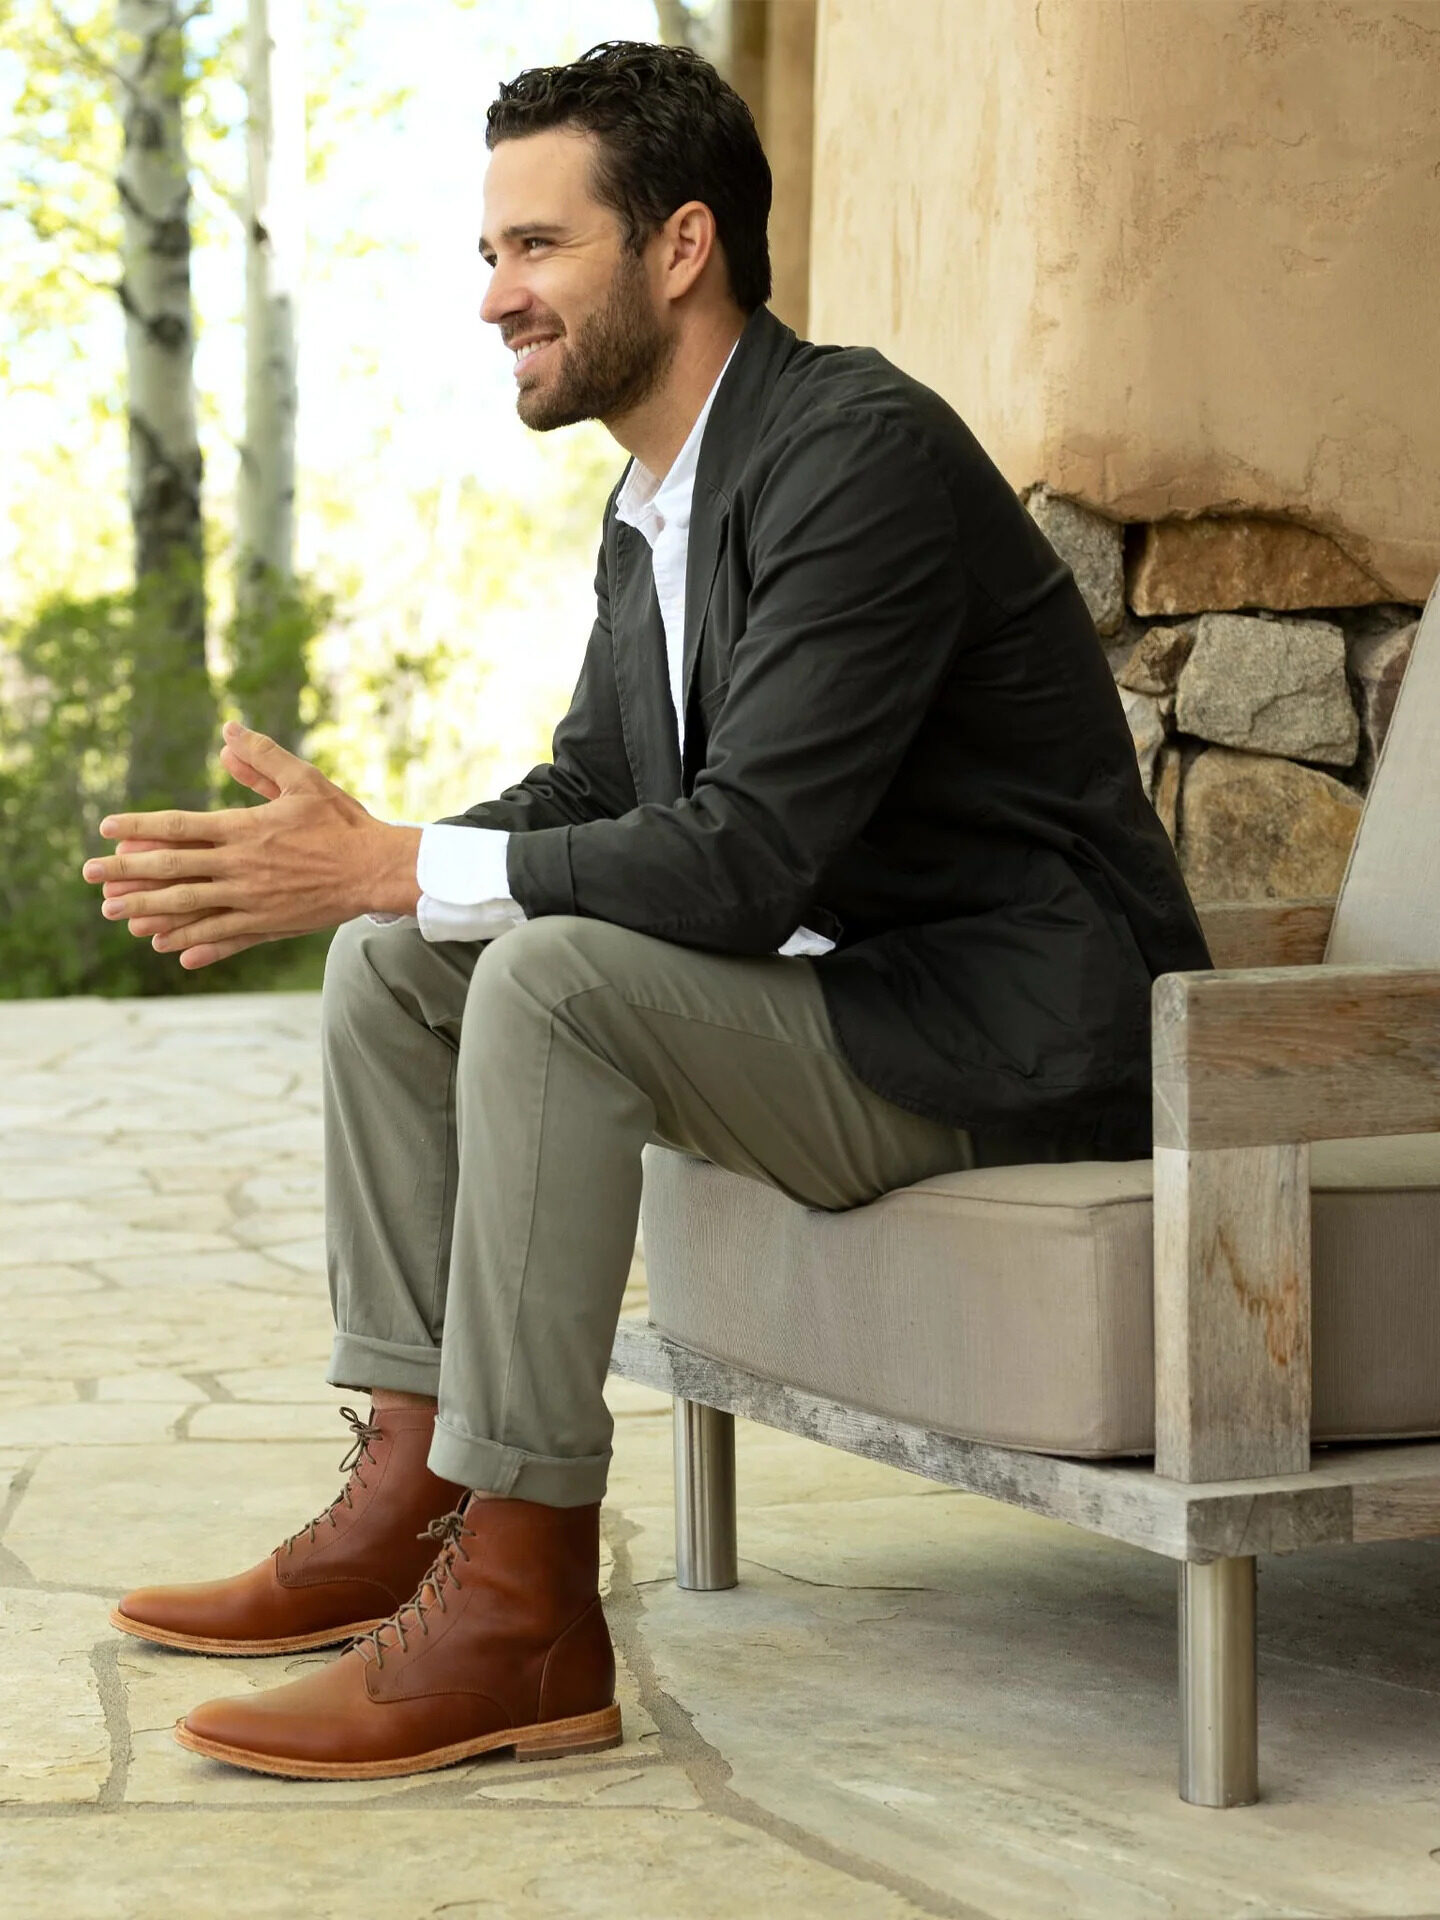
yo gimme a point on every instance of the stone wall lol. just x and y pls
(1258, 671)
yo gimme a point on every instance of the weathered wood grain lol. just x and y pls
(1352, 1493)
(1294, 1054)
(1232, 1312)
(1398, 1510)
(1267, 933)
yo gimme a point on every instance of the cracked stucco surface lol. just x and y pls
(1168, 259)
(916, 1703)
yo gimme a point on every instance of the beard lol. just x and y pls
(616, 359)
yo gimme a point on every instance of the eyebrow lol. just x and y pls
(527, 230)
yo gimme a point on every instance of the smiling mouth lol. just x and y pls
(524, 354)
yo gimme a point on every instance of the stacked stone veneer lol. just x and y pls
(1258, 666)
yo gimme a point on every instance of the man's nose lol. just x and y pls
(504, 296)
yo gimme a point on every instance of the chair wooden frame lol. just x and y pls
(1251, 1063)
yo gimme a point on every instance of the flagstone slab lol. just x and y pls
(157, 1384)
(37, 1393)
(28, 1241)
(408, 1863)
(200, 1176)
(302, 1186)
(54, 1744)
(292, 1385)
(275, 1421)
(90, 1423)
(305, 1255)
(595, 1786)
(1036, 1774)
(226, 1265)
(305, 1225)
(124, 1330)
(175, 1511)
(44, 1179)
(44, 1280)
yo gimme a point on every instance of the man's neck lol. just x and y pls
(657, 429)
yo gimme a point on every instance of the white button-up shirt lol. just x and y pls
(464, 885)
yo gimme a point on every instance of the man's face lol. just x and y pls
(575, 304)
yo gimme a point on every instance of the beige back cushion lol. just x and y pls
(1388, 913)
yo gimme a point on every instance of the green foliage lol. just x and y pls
(68, 684)
(269, 642)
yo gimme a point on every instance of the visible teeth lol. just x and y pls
(522, 354)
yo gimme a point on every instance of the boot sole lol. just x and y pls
(546, 1740)
(238, 1649)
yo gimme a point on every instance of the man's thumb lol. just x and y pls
(287, 770)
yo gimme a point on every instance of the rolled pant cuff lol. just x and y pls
(492, 1468)
(358, 1361)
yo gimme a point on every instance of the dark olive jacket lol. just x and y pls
(900, 730)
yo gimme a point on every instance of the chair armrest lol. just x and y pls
(1266, 933)
(1271, 1056)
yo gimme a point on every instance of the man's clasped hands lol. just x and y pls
(206, 885)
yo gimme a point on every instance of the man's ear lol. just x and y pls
(689, 243)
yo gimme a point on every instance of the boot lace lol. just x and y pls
(362, 1434)
(449, 1534)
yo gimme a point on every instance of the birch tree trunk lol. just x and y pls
(172, 709)
(268, 640)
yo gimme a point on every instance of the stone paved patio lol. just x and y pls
(916, 1702)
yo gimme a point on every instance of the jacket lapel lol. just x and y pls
(637, 636)
(730, 433)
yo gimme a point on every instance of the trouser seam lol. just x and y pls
(440, 1278)
(503, 1409)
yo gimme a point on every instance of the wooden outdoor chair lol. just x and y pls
(1026, 1332)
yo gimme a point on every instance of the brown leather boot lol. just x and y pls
(341, 1574)
(504, 1645)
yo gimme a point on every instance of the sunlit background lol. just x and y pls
(456, 548)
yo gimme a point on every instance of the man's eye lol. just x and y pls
(532, 243)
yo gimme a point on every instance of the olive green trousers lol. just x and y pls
(486, 1105)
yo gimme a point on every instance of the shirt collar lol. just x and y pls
(649, 505)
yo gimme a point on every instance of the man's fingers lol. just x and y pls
(204, 929)
(287, 771)
(113, 889)
(239, 768)
(159, 864)
(187, 899)
(163, 828)
(144, 926)
(208, 954)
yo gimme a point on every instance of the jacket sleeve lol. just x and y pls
(588, 776)
(856, 598)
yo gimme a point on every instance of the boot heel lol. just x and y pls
(586, 1733)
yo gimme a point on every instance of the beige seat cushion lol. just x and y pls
(1014, 1304)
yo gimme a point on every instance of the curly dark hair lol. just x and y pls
(669, 130)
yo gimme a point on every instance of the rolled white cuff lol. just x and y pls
(464, 887)
(803, 944)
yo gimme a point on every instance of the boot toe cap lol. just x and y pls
(170, 1609)
(310, 1724)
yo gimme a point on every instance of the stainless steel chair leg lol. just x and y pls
(1219, 1735)
(705, 1557)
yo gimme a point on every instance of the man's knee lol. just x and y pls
(363, 960)
(542, 962)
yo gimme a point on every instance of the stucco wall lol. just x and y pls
(1171, 256)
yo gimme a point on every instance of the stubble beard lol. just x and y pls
(615, 360)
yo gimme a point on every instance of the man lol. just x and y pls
(842, 876)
